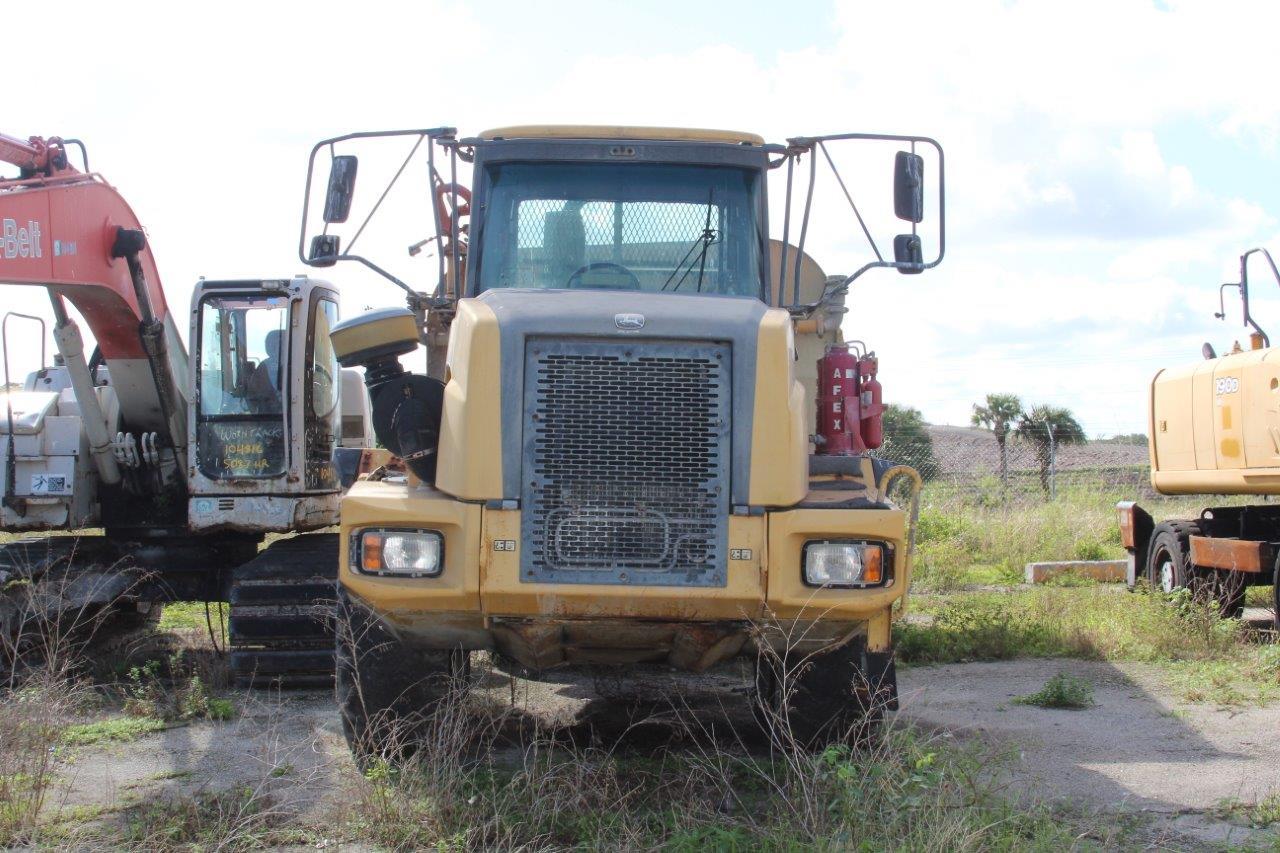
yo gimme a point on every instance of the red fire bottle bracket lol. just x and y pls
(850, 403)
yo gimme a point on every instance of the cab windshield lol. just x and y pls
(242, 385)
(652, 227)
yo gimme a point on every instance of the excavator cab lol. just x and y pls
(178, 463)
(266, 405)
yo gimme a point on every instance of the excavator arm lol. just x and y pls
(72, 233)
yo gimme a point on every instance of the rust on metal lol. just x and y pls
(1237, 555)
(1125, 510)
(689, 646)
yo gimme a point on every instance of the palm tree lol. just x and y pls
(1000, 412)
(1049, 427)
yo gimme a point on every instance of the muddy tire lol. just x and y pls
(1169, 557)
(1169, 568)
(386, 689)
(813, 700)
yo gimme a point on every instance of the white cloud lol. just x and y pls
(1074, 230)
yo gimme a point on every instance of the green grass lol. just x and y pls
(1251, 676)
(972, 541)
(236, 819)
(1260, 813)
(1092, 622)
(173, 689)
(910, 793)
(1064, 690)
(182, 616)
(112, 730)
(1204, 658)
(973, 538)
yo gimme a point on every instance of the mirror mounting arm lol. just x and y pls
(908, 205)
(437, 135)
(1244, 289)
(806, 308)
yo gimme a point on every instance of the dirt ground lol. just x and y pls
(1138, 750)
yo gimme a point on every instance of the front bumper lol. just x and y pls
(480, 601)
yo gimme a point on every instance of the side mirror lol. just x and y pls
(324, 250)
(907, 249)
(908, 186)
(342, 186)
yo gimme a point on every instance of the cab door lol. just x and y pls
(241, 393)
(320, 415)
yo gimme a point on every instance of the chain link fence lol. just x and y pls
(969, 462)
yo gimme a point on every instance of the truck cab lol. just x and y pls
(615, 463)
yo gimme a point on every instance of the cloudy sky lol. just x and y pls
(1107, 162)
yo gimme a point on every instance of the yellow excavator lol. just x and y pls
(640, 440)
(1214, 430)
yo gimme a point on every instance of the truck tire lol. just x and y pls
(1169, 568)
(1275, 594)
(1169, 556)
(387, 691)
(823, 698)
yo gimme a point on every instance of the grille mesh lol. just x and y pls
(626, 462)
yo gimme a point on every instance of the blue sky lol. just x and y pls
(1107, 161)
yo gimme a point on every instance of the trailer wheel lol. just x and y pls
(1169, 557)
(812, 700)
(387, 691)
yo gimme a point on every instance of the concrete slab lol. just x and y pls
(1103, 571)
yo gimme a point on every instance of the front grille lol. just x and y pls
(626, 460)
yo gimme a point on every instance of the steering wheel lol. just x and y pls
(602, 265)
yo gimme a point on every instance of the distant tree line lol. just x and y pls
(907, 440)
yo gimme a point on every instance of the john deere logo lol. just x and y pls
(629, 322)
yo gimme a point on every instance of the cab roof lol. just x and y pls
(601, 131)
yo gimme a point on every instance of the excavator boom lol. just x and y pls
(73, 234)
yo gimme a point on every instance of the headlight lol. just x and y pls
(411, 553)
(844, 564)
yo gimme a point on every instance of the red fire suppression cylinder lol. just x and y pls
(839, 403)
(872, 402)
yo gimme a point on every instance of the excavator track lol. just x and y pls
(281, 624)
(62, 593)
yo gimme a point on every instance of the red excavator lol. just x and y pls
(184, 463)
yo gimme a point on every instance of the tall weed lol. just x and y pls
(1086, 622)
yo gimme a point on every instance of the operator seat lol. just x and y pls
(565, 242)
(264, 382)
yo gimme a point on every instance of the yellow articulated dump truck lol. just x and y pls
(639, 439)
(1214, 430)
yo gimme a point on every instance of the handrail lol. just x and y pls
(10, 480)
